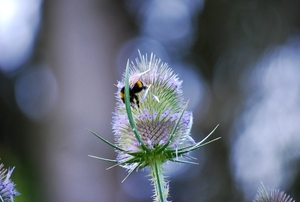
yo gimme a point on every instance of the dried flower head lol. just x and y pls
(271, 195)
(7, 187)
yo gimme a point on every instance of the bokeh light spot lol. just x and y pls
(19, 23)
(36, 92)
(267, 132)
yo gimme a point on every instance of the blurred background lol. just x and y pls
(240, 66)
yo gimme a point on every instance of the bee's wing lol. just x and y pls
(133, 79)
(146, 93)
(136, 77)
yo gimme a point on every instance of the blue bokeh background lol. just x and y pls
(240, 66)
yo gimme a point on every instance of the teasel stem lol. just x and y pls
(160, 189)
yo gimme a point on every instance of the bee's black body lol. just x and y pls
(138, 87)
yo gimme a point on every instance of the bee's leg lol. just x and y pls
(131, 100)
(135, 97)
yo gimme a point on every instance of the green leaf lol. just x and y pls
(108, 142)
(173, 131)
(103, 159)
(128, 109)
(136, 167)
(199, 144)
(183, 161)
(129, 160)
(195, 147)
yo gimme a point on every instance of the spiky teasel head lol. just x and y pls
(159, 127)
(150, 122)
(7, 187)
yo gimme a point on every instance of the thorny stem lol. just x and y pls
(160, 188)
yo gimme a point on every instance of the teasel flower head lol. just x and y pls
(150, 122)
(7, 187)
(271, 195)
(161, 105)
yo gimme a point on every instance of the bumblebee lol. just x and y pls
(134, 88)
